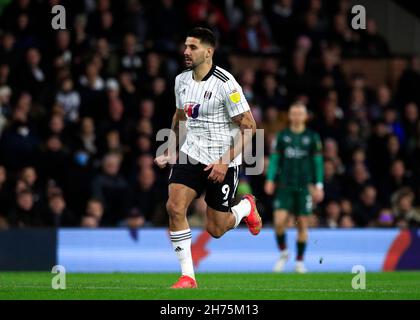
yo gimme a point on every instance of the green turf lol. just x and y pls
(37, 285)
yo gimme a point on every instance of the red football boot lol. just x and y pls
(185, 282)
(253, 220)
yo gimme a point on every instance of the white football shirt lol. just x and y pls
(209, 106)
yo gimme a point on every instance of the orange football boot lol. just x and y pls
(185, 282)
(253, 220)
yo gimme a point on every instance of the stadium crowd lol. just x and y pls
(80, 108)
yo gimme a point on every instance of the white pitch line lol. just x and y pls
(221, 289)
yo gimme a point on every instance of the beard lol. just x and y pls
(189, 63)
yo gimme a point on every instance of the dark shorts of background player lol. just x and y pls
(297, 201)
(219, 196)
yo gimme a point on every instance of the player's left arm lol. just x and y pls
(240, 113)
(318, 166)
(247, 128)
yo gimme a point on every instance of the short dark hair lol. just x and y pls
(204, 35)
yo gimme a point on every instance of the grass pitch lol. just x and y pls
(336, 286)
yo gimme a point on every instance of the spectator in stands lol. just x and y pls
(352, 140)
(5, 108)
(271, 95)
(331, 152)
(93, 215)
(330, 125)
(395, 180)
(130, 60)
(410, 123)
(359, 179)
(146, 196)
(29, 179)
(201, 11)
(298, 79)
(129, 94)
(377, 150)
(61, 54)
(58, 214)
(394, 151)
(32, 77)
(166, 38)
(6, 192)
(69, 100)
(26, 213)
(393, 123)
(332, 215)
(372, 43)
(408, 83)
(332, 183)
(86, 139)
(8, 52)
(54, 160)
(112, 190)
(383, 102)
(346, 222)
(254, 35)
(281, 18)
(344, 36)
(367, 208)
(406, 214)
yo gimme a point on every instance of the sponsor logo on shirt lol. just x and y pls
(191, 109)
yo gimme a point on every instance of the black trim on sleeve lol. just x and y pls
(220, 76)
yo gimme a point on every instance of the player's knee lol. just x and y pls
(280, 227)
(301, 229)
(175, 210)
(301, 226)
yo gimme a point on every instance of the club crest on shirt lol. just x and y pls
(207, 95)
(191, 109)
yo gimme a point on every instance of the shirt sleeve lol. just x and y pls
(176, 90)
(318, 161)
(274, 159)
(316, 145)
(234, 98)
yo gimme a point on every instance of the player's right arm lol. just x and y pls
(169, 156)
(273, 166)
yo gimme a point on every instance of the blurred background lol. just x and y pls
(80, 108)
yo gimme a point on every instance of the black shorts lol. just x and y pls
(219, 196)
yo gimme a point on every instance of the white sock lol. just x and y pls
(241, 210)
(181, 243)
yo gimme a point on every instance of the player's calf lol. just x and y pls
(215, 231)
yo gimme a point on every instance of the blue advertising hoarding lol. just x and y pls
(150, 250)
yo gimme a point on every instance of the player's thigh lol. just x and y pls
(180, 197)
(186, 182)
(220, 196)
(283, 200)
